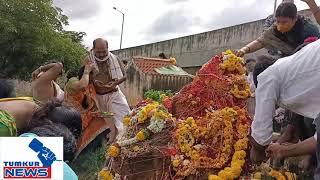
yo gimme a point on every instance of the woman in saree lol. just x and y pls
(80, 93)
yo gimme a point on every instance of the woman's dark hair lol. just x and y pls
(80, 72)
(54, 112)
(263, 62)
(250, 60)
(72, 73)
(287, 10)
(6, 89)
(58, 130)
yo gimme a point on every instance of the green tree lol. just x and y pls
(31, 33)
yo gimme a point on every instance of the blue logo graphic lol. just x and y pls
(46, 156)
(31, 169)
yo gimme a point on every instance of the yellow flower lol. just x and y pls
(214, 177)
(225, 174)
(190, 121)
(176, 163)
(241, 144)
(195, 155)
(160, 115)
(236, 171)
(229, 51)
(233, 63)
(151, 106)
(140, 136)
(243, 130)
(113, 151)
(240, 154)
(126, 121)
(143, 115)
(277, 175)
(163, 96)
(173, 60)
(105, 175)
(258, 175)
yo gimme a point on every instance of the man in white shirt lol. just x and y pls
(292, 83)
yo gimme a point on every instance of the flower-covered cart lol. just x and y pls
(199, 133)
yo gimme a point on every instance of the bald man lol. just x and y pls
(107, 74)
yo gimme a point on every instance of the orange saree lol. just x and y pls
(94, 122)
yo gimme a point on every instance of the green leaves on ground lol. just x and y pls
(157, 95)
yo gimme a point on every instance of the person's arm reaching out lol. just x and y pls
(50, 72)
(277, 151)
(250, 48)
(84, 81)
(314, 9)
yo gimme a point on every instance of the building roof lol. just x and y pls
(147, 65)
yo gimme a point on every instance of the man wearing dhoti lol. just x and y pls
(107, 74)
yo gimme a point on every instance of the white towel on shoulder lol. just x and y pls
(115, 68)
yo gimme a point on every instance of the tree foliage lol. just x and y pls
(32, 33)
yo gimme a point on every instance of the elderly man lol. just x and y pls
(292, 83)
(107, 74)
(44, 86)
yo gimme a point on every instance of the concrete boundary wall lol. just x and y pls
(197, 49)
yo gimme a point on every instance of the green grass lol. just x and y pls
(88, 165)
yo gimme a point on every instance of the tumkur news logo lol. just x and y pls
(40, 169)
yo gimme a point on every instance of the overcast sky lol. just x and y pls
(148, 21)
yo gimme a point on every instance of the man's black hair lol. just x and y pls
(81, 72)
(250, 60)
(287, 10)
(58, 130)
(162, 56)
(6, 89)
(55, 112)
(263, 62)
(125, 62)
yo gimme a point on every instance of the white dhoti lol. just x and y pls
(116, 103)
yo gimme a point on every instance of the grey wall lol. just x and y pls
(195, 50)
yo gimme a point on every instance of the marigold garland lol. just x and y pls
(113, 151)
(276, 174)
(191, 131)
(105, 175)
(152, 111)
(212, 126)
(241, 88)
(232, 63)
(126, 121)
(142, 135)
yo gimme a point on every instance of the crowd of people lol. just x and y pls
(286, 83)
(88, 106)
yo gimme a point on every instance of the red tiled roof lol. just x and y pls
(147, 65)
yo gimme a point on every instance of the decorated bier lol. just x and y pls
(206, 137)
